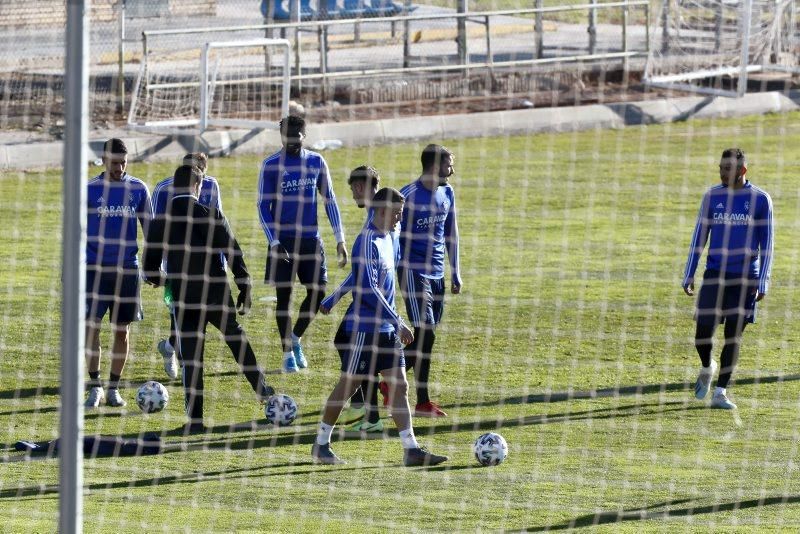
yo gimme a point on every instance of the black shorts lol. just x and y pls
(114, 290)
(424, 297)
(724, 296)
(306, 261)
(367, 354)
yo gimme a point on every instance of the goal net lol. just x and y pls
(242, 83)
(711, 46)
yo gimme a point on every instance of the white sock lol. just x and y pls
(720, 391)
(408, 439)
(295, 339)
(324, 434)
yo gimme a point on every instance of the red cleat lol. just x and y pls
(383, 387)
(429, 409)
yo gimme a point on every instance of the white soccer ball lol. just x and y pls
(490, 449)
(152, 397)
(280, 410)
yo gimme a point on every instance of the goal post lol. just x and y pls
(239, 83)
(704, 43)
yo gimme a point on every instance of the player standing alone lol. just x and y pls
(370, 335)
(428, 229)
(736, 217)
(287, 206)
(209, 196)
(116, 200)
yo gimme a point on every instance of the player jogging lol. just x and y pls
(736, 220)
(209, 196)
(370, 335)
(116, 201)
(287, 206)
(428, 230)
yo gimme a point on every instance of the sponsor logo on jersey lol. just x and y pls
(734, 219)
(116, 211)
(294, 185)
(427, 221)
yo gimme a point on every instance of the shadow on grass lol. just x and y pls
(653, 512)
(25, 393)
(623, 391)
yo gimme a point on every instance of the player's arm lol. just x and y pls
(451, 241)
(216, 197)
(699, 239)
(154, 252)
(331, 300)
(369, 259)
(766, 235)
(325, 188)
(144, 210)
(224, 240)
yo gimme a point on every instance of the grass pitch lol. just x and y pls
(572, 339)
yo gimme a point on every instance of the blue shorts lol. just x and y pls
(368, 353)
(306, 261)
(424, 297)
(724, 296)
(114, 290)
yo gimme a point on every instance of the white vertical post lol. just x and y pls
(204, 88)
(287, 82)
(121, 59)
(741, 88)
(73, 269)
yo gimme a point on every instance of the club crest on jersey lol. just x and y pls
(747, 205)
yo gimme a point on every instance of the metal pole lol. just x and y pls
(461, 39)
(538, 29)
(625, 43)
(323, 60)
(406, 36)
(73, 256)
(294, 16)
(665, 27)
(204, 88)
(592, 30)
(741, 89)
(121, 61)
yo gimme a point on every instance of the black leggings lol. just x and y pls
(703, 342)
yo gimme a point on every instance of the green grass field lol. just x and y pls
(572, 339)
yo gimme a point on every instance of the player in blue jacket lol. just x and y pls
(371, 335)
(428, 231)
(735, 219)
(116, 201)
(210, 197)
(288, 186)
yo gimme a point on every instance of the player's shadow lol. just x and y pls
(43, 409)
(25, 393)
(623, 391)
(664, 510)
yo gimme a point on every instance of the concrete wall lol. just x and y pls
(49, 13)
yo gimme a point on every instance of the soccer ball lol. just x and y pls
(280, 410)
(490, 449)
(152, 397)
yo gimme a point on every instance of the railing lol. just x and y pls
(321, 29)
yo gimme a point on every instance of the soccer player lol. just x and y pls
(192, 238)
(428, 229)
(209, 196)
(370, 335)
(736, 217)
(363, 182)
(116, 201)
(287, 207)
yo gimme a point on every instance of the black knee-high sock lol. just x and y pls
(357, 399)
(370, 387)
(422, 368)
(703, 342)
(94, 379)
(308, 309)
(284, 296)
(173, 338)
(730, 352)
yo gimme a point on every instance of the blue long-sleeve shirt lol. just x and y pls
(373, 271)
(428, 228)
(209, 194)
(112, 212)
(738, 224)
(287, 196)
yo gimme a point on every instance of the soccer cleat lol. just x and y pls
(170, 361)
(95, 397)
(703, 384)
(721, 401)
(351, 414)
(289, 363)
(322, 454)
(383, 387)
(114, 399)
(421, 457)
(366, 426)
(428, 409)
(264, 392)
(299, 357)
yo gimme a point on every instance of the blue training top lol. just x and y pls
(427, 228)
(739, 222)
(287, 196)
(373, 270)
(113, 209)
(209, 194)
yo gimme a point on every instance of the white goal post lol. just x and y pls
(700, 43)
(240, 83)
